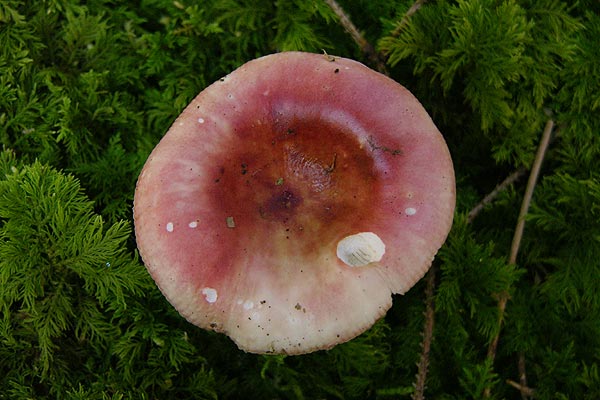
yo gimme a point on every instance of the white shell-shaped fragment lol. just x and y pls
(193, 224)
(210, 294)
(360, 249)
(410, 211)
(170, 227)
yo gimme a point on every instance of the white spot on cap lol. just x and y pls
(410, 211)
(230, 222)
(360, 249)
(200, 120)
(170, 227)
(248, 305)
(210, 294)
(193, 224)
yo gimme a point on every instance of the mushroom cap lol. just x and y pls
(245, 210)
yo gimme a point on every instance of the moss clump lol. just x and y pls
(88, 88)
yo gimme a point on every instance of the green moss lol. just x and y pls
(88, 88)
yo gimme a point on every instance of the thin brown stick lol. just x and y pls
(518, 235)
(523, 376)
(366, 47)
(423, 365)
(509, 180)
(535, 171)
(404, 21)
(523, 389)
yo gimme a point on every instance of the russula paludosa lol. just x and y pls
(290, 199)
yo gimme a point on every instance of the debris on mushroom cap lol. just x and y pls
(291, 199)
(360, 249)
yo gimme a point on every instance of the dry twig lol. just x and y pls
(512, 178)
(404, 21)
(535, 171)
(423, 365)
(518, 235)
(527, 391)
(523, 377)
(366, 47)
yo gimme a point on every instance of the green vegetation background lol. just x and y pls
(88, 88)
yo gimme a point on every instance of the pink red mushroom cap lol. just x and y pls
(291, 199)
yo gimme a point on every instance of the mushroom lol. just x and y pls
(291, 199)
